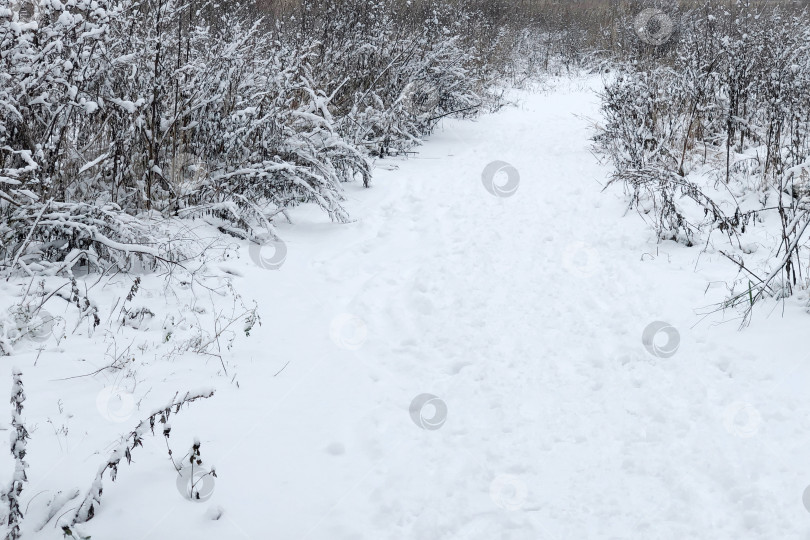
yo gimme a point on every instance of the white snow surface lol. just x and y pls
(523, 315)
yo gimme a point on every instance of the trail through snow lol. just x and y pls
(524, 316)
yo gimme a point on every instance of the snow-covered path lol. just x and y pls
(524, 316)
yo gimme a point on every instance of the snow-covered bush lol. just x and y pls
(117, 112)
(18, 449)
(715, 135)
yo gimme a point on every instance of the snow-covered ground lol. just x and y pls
(521, 316)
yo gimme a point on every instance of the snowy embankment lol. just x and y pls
(522, 315)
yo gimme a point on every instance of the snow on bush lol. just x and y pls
(714, 134)
(114, 113)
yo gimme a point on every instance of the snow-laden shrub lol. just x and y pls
(387, 72)
(98, 109)
(115, 112)
(728, 103)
